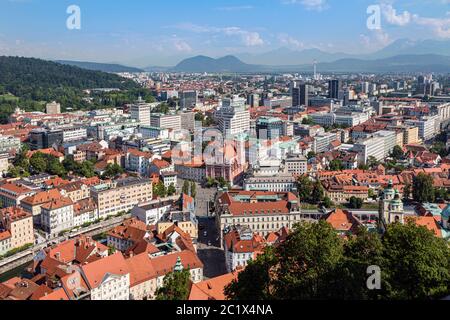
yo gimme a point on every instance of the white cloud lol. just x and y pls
(439, 26)
(287, 40)
(390, 14)
(234, 8)
(316, 5)
(248, 38)
(376, 40)
(181, 45)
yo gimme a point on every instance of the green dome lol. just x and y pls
(446, 212)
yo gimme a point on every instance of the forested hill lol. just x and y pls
(29, 83)
(34, 78)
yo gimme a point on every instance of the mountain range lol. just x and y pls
(104, 67)
(399, 63)
(400, 56)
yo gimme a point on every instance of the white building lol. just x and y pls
(57, 216)
(233, 117)
(370, 147)
(277, 183)
(150, 213)
(74, 134)
(390, 141)
(322, 141)
(108, 278)
(166, 121)
(296, 165)
(429, 127)
(140, 111)
(9, 143)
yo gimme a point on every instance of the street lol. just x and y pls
(209, 250)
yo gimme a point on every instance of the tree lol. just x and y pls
(372, 162)
(87, 169)
(256, 282)
(336, 165)
(193, 189)
(309, 254)
(176, 286)
(407, 191)
(397, 153)
(38, 162)
(317, 194)
(171, 190)
(315, 263)
(355, 203)
(112, 170)
(423, 190)
(159, 190)
(186, 187)
(328, 203)
(417, 262)
(441, 194)
(308, 121)
(311, 155)
(305, 188)
(56, 168)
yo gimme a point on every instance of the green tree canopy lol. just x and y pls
(176, 286)
(423, 190)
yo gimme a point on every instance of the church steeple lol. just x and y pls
(178, 266)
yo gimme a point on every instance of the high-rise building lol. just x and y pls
(269, 128)
(188, 99)
(233, 117)
(300, 94)
(140, 111)
(253, 100)
(334, 88)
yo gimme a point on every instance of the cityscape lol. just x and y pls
(229, 163)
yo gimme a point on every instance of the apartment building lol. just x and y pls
(9, 144)
(33, 204)
(186, 221)
(296, 165)
(140, 112)
(166, 121)
(241, 245)
(370, 147)
(11, 194)
(16, 229)
(57, 216)
(150, 213)
(121, 195)
(74, 134)
(429, 126)
(322, 142)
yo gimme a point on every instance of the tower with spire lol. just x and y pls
(178, 266)
(390, 206)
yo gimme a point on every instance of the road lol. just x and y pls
(204, 195)
(209, 250)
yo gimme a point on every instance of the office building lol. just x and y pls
(188, 99)
(166, 121)
(334, 89)
(233, 117)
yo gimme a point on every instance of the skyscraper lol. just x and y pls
(334, 87)
(300, 94)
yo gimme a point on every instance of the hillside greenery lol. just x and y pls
(30, 83)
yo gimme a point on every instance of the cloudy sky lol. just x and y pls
(161, 32)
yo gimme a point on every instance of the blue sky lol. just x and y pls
(161, 32)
